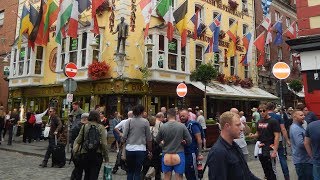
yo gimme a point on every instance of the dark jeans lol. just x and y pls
(10, 129)
(283, 160)
(27, 133)
(135, 161)
(267, 167)
(49, 149)
(1, 128)
(91, 164)
(304, 171)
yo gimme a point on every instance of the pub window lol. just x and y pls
(21, 61)
(149, 54)
(96, 49)
(199, 9)
(231, 21)
(14, 63)
(83, 49)
(172, 54)
(28, 60)
(161, 51)
(215, 14)
(267, 52)
(199, 55)
(1, 17)
(245, 29)
(245, 5)
(63, 53)
(216, 60)
(183, 59)
(246, 71)
(73, 50)
(39, 60)
(233, 66)
(279, 53)
(276, 16)
(288, 21)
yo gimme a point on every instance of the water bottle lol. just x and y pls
(200, 169)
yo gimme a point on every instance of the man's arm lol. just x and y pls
(275, 144)
(307, 145)
(285, 134)
(59, 125)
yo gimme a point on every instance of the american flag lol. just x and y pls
(265, 4)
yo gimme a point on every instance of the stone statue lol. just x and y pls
(122, 30)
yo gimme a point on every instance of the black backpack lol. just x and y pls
(92, 140)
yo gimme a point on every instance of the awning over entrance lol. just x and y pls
(216, 89)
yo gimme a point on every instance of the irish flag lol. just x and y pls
(73, 23)
(165, 10)
(146, 10)
(63, 17)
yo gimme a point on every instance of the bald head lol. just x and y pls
(130, 114)
(234, 110)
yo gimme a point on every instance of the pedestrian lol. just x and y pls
(76, 111)
(164, 111)
(105, 122)
(55, 127)
(6, 124)
(309, 115)
(300, 157)
(28, 127)
(255, 117)
(312, 145)
(192, 151)
(116, 120)
(225, 159)
(283, 137)
(92, 141)
(2, 121)
(12, 125)
(268, 132)
(38, 124)
(138, 141)
(202, 122)
(173, 136)
(192, 116)
(241, 141)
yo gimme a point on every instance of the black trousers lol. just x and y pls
(37, 131)
(49, 149)
(10, 129)
(267, 167)
(91, 164)
(78, 169)
(1, 128)
(27, 133)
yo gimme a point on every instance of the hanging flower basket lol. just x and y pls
(246, 83)
(221, 78)
(222, 34)
(98, 70)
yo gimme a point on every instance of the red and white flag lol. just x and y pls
(146, 7)
(266, 23)
(73, 23)
(95, 5)
(259, 43)
(291, 32)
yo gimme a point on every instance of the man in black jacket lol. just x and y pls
(55, 127)
(13, 121)
(225, 159)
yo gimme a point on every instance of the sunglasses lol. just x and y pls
(50, 111)
(262, 110)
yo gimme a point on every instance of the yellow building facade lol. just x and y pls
(146, 74)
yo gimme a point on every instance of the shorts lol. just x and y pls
(116, 136)
(179, 168)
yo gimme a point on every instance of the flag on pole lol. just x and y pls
(73, 23)
(199, 26)
(50, 16)
(95, 5)
(64, 16)
(232, 33)
(248, 45)
(278, 28)
(266, 23)
(291, 32)
(180, 16)
(165, 10)
(33, 19)
(146, 7)
(259, 42)
(25, 24)
(210, 46)
(83, 5)
(215, 28)
(265, 4)
(35, 31)
(39, 39)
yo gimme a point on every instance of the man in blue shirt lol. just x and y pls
(300, 157)
(309, 115)
(192, 151)
(312, 145)
(281, 150)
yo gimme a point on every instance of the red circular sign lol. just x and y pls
(182, 90)
(70, 70)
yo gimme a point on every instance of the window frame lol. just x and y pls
(202, 55)
(173, 54)
(280, 54)
(246, 72)
(288, 21)
(277, 16)
(233, 66)
(2, 17)
(245, 26)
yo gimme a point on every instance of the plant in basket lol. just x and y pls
(236, 80)
(221, 78)
(98, 70)
(246, 83)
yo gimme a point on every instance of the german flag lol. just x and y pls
(37, 25)
(180, 16)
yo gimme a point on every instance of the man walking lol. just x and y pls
(225, 159)
(193, 150)
(300, 157)
(12, 125)
(268, 132)
(174, 136)
(55, 127)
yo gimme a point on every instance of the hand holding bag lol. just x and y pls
(46, 131)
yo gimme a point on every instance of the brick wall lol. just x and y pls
(304, 13)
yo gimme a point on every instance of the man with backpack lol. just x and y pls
(192, 151)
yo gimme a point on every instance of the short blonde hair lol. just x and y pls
(227, 117)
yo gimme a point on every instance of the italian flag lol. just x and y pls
(165, 10)
(63, 17)
(73, 23)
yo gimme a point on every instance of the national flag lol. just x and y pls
(35, 31)
(259, 42)
(291, 32)
(248, 45)
(180, 16)
(33, 17)
(265, 4)
(215, 28)
(232, 33)
(165, 10)
(73, 22)
(64, 16)
(83, 5)
(95, 5)
(199, 26)
(50, 16)
(25, 24)
(266, 23)
(278, 28)
(209, 47)
(39, 39)
(269, 37)
(146, 7)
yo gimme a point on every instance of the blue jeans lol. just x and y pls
(316, 172)
(135, 161)
(283, 160)
(304, 171)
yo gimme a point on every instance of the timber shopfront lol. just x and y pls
(110, 94)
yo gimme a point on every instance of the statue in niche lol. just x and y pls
(122, 30)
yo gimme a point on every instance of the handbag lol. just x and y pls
(46, 131)
(123, 153)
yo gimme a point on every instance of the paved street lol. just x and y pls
(20, 161)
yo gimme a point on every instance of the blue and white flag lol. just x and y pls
(215, 28)
(278, 28)
(265, 4)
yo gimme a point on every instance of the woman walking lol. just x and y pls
(2, 121)
(138, 141)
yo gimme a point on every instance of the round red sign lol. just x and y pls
(182, 90)
(70, 70)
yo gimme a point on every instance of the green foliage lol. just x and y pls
(296, 85)
(204, 73)
(210, 121)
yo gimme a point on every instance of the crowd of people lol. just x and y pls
(174, 140)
